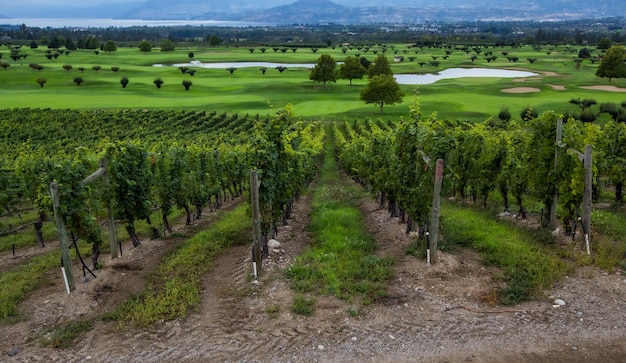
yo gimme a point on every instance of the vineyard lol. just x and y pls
(169, 166)
(202, 160)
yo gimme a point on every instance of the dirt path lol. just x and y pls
(433, 314)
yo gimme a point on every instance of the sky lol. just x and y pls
(74, 3)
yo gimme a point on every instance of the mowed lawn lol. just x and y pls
(248, 90)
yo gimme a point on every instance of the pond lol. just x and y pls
(460, 73)
(226, 65)
(449, 73)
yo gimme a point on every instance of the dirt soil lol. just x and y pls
(438, 313)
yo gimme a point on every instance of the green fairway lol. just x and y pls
(249, 91)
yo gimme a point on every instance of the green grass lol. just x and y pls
(64, 335)
(342, 260)
(528, 267)
(175, 285)
(249, 91)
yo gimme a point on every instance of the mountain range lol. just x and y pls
(326, 11)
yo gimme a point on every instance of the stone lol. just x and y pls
(320, 347)
(273, 243)
(13, 352)
(559, 302)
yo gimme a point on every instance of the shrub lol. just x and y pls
(504, 114)
(529, 113)
(187, 84)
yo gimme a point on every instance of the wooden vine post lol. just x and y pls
(434, 223)
(257, 256)
(66, 263)
(559, 144)
(587, 161)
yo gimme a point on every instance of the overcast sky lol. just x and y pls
(74, 3)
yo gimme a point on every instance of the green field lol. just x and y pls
(247, 90)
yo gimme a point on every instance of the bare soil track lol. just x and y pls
(436, 313)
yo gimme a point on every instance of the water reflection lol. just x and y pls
(460, 73)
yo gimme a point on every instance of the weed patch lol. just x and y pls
(341, 261)
(174, 288)
(529, 267)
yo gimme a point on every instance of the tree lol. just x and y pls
(67, 67)
(604, 44)
(96, 68)
(115, 69)
(167, 46)
(190, 55)
(5, 65)
(41, 81)
(145, 46)
(231, 70)
(124, 81)
(612, 65)
(263, 70)
(78, 80)
(81, 69)
(325, 70)
(33, 44)
(109, 46)
(158, 82)
(352, 69)
(281, 69)
(187, 84)
(380, 66)
(214, 41)
(382, 89)
(92, 43)
(584, 53)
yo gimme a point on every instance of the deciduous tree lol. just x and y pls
(382, 90)
(613, 65)
(352, 69)
(325, 70)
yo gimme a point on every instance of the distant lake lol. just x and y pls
(451, 73)
(118, 23)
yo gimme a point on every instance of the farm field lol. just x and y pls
(189, 294)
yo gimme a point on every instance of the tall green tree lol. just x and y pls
(613, 65)
(145, 46)
(382, 90)
(167, 46)
(325, 70)
(352, 69)
(109, 46)
(380, 66)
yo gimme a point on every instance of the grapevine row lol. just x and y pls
(516, 160)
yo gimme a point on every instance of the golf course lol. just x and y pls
(248, 90)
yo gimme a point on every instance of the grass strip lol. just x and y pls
(342, 259)
(174, 288)
(19, 281)
(528, 266)
(609, 244)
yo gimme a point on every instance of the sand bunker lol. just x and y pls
(605, 88)
(557, 87)
(520, 90)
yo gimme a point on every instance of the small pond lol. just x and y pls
(460, 73)
(226, 65)
(449, 73)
